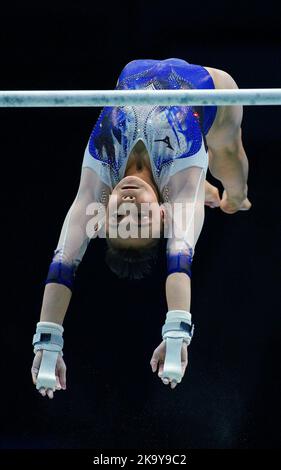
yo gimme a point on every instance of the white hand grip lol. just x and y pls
(47, 372)
(172, 365)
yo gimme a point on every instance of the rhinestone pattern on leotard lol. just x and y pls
(169, 133)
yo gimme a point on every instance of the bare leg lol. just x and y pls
(231, 169)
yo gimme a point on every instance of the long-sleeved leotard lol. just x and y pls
(175, 139)
(77, 230)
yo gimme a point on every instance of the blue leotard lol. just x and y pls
(174, 136)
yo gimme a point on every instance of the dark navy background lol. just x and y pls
(230, 395)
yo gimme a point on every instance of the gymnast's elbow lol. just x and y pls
(62, 270)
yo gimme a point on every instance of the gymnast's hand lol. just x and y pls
(60, 374)
(158, 359)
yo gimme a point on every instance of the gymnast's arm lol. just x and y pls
(189, 196)
(184, 219)
(48, 369)
(72, 244)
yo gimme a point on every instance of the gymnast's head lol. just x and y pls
(134, 227)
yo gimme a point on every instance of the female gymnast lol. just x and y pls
(145, 167)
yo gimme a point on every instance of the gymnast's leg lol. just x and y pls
(232, 171)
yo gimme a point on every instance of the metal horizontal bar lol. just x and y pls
(93, 98)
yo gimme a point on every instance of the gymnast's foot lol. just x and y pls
(212, 197)
(230, 205)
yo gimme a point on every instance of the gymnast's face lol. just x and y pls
(133, 208)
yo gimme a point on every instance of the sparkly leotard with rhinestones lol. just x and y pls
(174, 136)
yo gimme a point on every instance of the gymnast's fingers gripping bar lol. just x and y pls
(94, 98)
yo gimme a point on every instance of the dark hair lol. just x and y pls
(131, 263)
